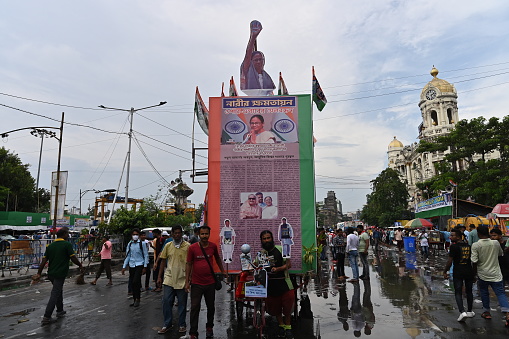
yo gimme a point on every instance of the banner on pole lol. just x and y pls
(62, 188)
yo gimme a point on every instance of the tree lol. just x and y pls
(485, 181)
(17, 186)
(388, 202)
(125, 220)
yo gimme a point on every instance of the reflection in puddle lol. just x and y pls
(406, 297)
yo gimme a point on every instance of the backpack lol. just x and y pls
(141, 249)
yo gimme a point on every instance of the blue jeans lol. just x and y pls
(498, 288)
(56, 297)
(169, 300)
(352, 259)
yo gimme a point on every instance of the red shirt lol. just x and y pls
(201, 270)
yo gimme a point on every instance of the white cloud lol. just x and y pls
(137, 53)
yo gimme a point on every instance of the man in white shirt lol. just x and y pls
(485, 253)
(423, 238)
(352, 245)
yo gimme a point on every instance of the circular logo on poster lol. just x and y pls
(284, 126)
(235, 127)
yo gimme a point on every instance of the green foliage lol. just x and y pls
(17, 186)
(487, 182)
(388, 201)
(125, 220)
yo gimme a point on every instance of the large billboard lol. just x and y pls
(261, 174)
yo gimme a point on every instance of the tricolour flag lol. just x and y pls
(282, 90)
(233, 89)
(201, 111)
(318, 95)
(452, 183)
(222, 90)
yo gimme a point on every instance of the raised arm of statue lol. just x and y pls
(255, 29)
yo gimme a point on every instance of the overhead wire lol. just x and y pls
(148, 160)
(150, 183)
(164, 143)
(171, 129)
(114, 145)
(53, 119)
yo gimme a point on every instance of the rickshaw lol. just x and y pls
(251, 286)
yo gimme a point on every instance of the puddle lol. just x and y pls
(20, 313)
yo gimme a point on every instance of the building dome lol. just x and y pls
(395, 143)
(440, 84)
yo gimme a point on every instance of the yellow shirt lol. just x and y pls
(175, 274)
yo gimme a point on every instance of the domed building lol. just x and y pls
(439, 112)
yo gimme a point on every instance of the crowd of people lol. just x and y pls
(180, 269)
(479, 255)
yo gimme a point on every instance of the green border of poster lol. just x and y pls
(307, 173)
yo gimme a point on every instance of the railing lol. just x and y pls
(16, 255)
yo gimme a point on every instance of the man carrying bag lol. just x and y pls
(201, 280)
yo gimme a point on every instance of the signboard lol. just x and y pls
(434, 203)
(258, 287)
(261, 173)
(81, 222)
(62, 187)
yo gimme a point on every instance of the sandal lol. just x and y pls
(108, 284)
(487, 316)
(92, 283)
(507, 319)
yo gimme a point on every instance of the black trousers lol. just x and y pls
(105, 266)
(135, 273)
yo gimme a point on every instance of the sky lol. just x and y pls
(372, 59)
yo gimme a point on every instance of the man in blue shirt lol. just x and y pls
(137, 260)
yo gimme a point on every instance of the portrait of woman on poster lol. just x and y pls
(257, 134)
(250, 209)
(269, 211)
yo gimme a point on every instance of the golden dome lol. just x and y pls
(395, 143)
(442, 85)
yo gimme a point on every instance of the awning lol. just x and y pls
(501, 210)
(23, 228)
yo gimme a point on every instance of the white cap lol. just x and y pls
(165, 233)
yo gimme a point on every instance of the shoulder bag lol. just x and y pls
(218, 284)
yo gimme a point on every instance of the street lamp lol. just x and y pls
(41, 133)
(131, 113)
(57, 185)
(84, 192)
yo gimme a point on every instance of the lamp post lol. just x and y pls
(131, 113)
(35, 132)
(84, 192)
(41, 133)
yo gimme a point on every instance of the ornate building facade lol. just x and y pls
(439, 111)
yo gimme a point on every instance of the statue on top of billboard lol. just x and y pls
(253, 78)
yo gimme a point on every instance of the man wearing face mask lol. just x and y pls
(137, 260)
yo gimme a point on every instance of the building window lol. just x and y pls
(434, 118)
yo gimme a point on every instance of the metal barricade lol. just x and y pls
(16, 255)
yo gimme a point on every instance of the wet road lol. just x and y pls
(404, 298)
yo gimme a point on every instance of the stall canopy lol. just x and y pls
(501, 210)
(22, 228)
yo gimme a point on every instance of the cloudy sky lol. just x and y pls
(372, 59)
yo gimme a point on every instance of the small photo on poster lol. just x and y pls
(258, 205)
